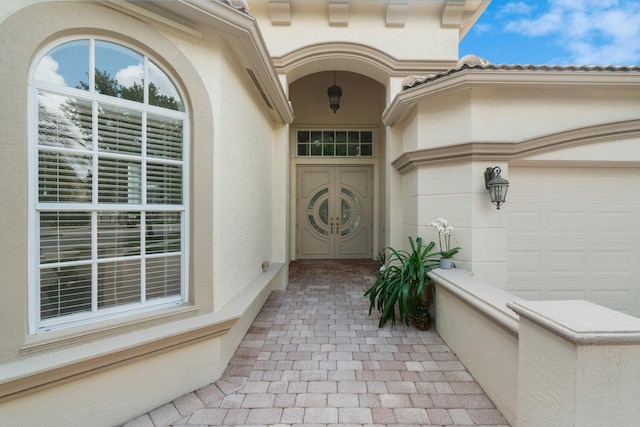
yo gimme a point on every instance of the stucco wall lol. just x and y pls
(515, 113)
(231, 231)
(366, 25)
(453, 131)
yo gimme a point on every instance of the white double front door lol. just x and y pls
(334, 212)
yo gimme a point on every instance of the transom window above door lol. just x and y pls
(334, 143)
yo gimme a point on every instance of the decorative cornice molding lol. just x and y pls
(338, 13)
(513, 151)
(280, 12)
(397, 12)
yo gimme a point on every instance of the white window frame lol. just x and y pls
(36, 324)
(334, 143)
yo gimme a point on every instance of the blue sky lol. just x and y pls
(557, 32)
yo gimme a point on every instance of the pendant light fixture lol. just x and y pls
(334, 92)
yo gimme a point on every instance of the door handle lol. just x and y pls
(331, 226)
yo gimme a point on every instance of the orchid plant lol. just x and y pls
(444, 236)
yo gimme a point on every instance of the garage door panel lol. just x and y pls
(574, 233)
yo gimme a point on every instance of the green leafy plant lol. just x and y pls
(381, 257)
(404, 282)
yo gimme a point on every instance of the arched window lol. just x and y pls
(108, 185)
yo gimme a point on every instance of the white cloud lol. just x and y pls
(592, 31)
(47, 71)
(482, 28)
(516, 8)
(130, 75)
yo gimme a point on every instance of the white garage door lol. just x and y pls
(574, 233)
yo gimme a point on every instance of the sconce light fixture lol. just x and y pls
(496, 185)
(334, 92)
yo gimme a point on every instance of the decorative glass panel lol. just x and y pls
(323, 212)
(118, 283)
(350, 213)
(352, 197)
(317, 197)
(316, 227)
(345, 212)
(354, 225)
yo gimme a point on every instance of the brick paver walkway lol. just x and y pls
(313, 357)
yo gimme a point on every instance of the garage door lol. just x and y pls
(574, 233)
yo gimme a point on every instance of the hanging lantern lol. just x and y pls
(334, 92)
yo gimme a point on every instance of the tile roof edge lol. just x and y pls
(413, 81)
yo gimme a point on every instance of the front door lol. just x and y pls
(335, 205)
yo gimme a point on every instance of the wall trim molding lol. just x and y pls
(313, 58)
(516, 151)
(40, 378)
(31, 374)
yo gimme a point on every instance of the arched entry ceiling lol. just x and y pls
(353, 57)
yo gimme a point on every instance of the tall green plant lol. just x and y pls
(402, 282)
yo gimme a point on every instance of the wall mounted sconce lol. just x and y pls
(334, 92)
(496, 185)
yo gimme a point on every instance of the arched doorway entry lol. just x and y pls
(335, 160)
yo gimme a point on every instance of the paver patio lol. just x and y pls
(314, 357)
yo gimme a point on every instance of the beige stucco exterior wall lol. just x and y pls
(577, 124)
(233, 146)
(310, 25)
